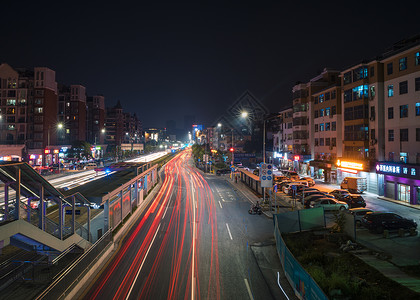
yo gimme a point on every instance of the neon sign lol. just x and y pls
(350, 165)
(388, 169)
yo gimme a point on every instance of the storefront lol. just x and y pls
(325, 171)
(400, 181)
(357, 169)
(300, 164)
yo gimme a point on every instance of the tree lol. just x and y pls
(80, 150)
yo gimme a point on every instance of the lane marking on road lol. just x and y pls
(141, 266)
(220, 203)
(278, 282)
(248, 289)
(229, 231)
(164, 214)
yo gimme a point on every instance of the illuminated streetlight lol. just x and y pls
(244, 114)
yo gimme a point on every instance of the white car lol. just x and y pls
(330, 204)
(310, 181)
(358, 214)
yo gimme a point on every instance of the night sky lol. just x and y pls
(167, 60)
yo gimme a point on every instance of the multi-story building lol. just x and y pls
(302, 132)
(16, 90)
(96, 120)
(114, 125)
(283, 139)
(78, 113)
(63, 135)
(325, 129)
(301, 149)
(399, 169)
(363, 122)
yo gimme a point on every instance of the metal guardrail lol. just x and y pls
(67, 280)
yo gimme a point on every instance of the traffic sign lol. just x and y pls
(266, 178)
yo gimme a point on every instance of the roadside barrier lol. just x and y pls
(302, 283)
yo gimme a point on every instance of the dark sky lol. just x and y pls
(167, 60)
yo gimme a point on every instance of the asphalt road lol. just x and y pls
(193, 241)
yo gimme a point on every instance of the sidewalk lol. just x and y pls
(387, 255)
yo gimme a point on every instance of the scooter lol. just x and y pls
(255, 210)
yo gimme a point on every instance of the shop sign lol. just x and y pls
(349, 165)
(389, 169)
(398, 170)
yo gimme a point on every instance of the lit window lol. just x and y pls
(413, 172)
(418, 109)
(417, 58)
(327, 111)
(372, 91)
(390, 90)
(403, 63)
(11, 102)
(321, 112)
(321, 127)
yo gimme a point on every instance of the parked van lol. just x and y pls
(354, 184)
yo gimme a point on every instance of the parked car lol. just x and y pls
(358, 213)
(307, 190)
(288, 187)
(299, 187)
(310, 181)
(308, 199)
(330, 204)
(354, 200)
(278, 179)
(223, 171)
(379, 221)
(338, 194)
(283, 183)
(291, 175)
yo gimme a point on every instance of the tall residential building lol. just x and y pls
(363, 121)
(399, 171)
(114, 125)
(132, 128)
(283, 140)
(302, 132)
(64, 109)
(96, 119)
(78, 116)
(325, 130)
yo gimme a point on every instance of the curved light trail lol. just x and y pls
(161, 257)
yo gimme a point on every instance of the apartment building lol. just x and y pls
(301, 149)
(399, 171)
(303, 135)
(96, 120)
(283, 139)
(16, 90)
(363, 122)
(326, 118)
(78, 113)
(114, 125)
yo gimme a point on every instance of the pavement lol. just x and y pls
(387, 255)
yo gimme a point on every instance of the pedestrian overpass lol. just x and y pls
(49, 220)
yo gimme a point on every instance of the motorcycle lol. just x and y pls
(255, 210)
